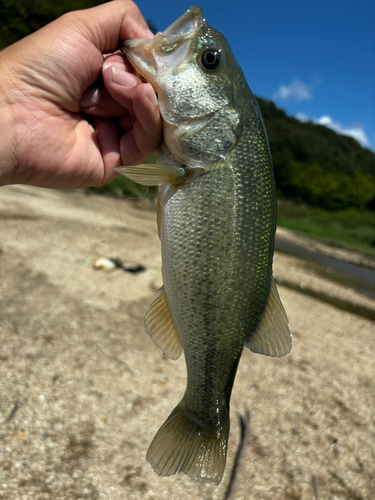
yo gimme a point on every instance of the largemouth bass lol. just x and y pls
(217, 220)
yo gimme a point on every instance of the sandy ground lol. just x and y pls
(83, 389)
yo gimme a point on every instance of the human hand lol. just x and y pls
(60, 126)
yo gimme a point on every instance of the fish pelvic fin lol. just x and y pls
(160, 327)
(272, 336)
(183, 445)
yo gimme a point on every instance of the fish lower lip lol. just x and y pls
(140, 53)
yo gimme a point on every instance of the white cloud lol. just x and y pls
(327, 121)
(297, 91)
(358, 134)
(302, 117)
(357, 131)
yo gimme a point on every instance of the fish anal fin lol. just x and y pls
(159, 326)
(183, 445)
(272, 336)
(152, 174)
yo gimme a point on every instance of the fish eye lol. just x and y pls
(210, 59)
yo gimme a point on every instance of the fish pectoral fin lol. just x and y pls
(160, 327)
(152, 174)
(272, 336)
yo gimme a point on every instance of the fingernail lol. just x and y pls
(150, 34)
(152, 96)
(90, 98)
(121, 77)
(106, 65)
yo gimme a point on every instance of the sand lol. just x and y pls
(83, 389)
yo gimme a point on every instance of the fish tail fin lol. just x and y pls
(184, 445)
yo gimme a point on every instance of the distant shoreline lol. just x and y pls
(338, 252)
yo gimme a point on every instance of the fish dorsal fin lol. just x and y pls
(272, 336)
(159, 326)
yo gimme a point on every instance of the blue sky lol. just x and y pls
(315, 59)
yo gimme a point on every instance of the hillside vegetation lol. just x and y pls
(316, 165)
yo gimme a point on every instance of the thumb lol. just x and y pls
(113, 21)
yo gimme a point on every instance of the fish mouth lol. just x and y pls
(148, 57)
(186, 24)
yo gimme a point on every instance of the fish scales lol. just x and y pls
(210, 268)
(217, 220)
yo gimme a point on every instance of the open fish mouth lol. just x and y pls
(154, 55)
(188, 23)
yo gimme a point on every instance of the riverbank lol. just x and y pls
(350, 229)
(83, 389)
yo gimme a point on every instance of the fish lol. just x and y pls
(216, 222)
